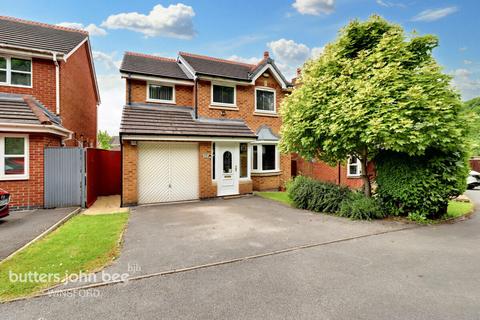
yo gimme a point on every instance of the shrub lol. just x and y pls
(358, 207)
(420, 186)
(310, 194)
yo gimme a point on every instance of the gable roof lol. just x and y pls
(167, 120)
(152, 65)
(39, 36)
(218, 67)
(16, 109)
(189, 65)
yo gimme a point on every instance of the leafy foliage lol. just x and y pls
(472, 111)
(104, 139)
(420, 186)
(317, 196)
(372, 89)
(358, 207)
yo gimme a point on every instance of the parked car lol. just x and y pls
(473, 179)
(4, 201)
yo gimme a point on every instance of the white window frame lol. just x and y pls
(249, 170)
(161, 84)
(259, 145)
(9, 71)
(221, 104)
(26, 155)
(358, 164)
(274, 100)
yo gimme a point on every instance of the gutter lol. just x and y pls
(49, 128)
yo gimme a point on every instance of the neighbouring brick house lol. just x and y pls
(198, 127)
(48, 97)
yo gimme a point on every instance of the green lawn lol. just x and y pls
(277, 196)
(82, 244)
(455, 208)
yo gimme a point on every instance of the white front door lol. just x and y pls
(227, 159)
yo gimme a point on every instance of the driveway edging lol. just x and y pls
(44, 233)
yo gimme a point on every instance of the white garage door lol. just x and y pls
(167, 172)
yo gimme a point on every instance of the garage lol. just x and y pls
(167, 172)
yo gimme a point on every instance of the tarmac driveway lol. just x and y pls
(165, 237)
(20, 227)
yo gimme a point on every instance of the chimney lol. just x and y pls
(299, 71)
(266, 55)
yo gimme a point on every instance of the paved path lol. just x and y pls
(20, 227)
(418, 273)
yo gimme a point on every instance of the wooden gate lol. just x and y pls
(103, 174)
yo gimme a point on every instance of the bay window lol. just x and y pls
(16, 71)
(265, 157)
(13, 157)
(161, 93)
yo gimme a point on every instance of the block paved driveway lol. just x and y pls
(393, 271)
(20, 227)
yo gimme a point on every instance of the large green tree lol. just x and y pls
(374, 88)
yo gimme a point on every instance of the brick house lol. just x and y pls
(48, 97)
(199, 127)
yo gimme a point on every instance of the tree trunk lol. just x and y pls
(367, 187)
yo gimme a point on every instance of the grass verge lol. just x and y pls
(457, 209)
(83, 244)
(277, 196)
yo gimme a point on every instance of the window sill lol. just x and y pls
(161, 101)
(231, 108)
(354, 176)
(14, 178)
(15, 85)
(266, 114)
(266, 173)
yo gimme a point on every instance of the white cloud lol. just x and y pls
(390, 4)
(290, 55)
(434, 14)
(108, 60)
(467, 82)
(112, 91)
(173, 21)
(251, 60)
(463, 49)
(314, 7)
(92, 29)
(467, 61)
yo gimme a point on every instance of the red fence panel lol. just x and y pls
(475, 164)
(103, 174)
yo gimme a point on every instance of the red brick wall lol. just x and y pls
(183, 94)
(321, 171)
(30, 193)
(43, 83)
(78, 101)
(129, 174)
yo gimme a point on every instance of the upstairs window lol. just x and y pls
(3, 70)
(16, 71)
(223, 95)
(265, 100)
(161, 93)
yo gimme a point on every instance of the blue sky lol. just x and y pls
(292, 30)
